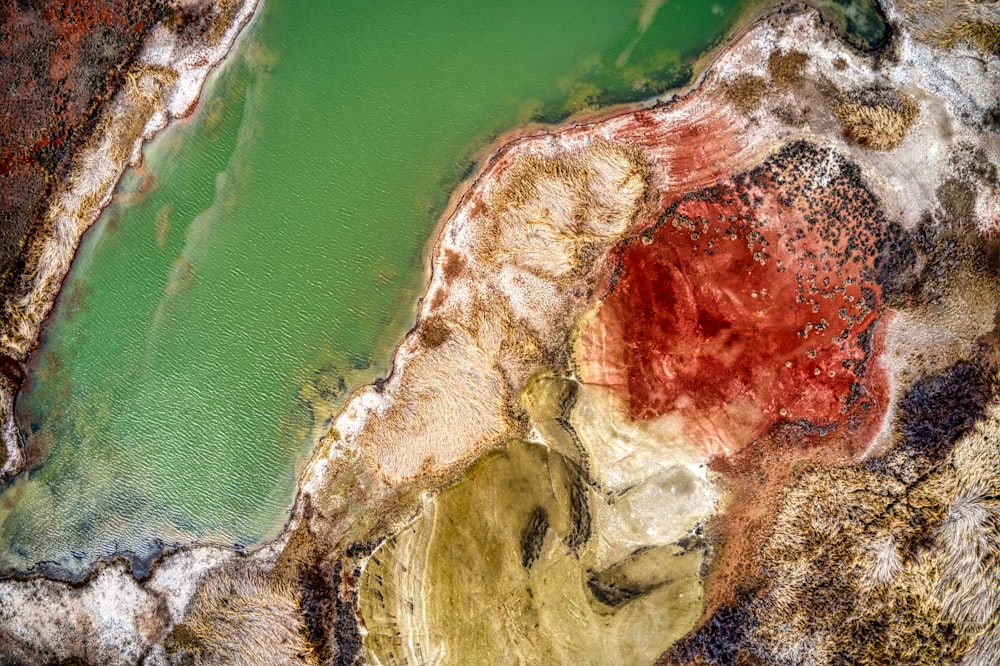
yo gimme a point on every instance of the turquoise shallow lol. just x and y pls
(213, 322)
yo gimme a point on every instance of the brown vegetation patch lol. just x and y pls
(439, 297)
(433, 332)
(745, 92)
(453, 265)
(983, 35)
(241, 616)
(786, 67)
(948, 23)
(876, 119)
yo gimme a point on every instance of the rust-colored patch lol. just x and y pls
(756, 479)
(453, 265)
(478, 207)
(750, 304)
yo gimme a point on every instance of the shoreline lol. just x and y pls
(483, 157)
(391, 446)
(182, 99)
(350, 446)
(179, 100)
(164, 84)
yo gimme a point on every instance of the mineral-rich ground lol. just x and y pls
(708, 382)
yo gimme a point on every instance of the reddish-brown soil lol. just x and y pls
(59, 63)
(750, 304)
(753, 309)
(695, 150)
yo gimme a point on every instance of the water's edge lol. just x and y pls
(164, 84)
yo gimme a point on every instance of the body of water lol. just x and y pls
(215, 320)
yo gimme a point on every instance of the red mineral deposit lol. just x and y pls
(750, 303)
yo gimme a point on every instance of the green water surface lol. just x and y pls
(210, 327)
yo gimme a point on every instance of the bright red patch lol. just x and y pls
(749, 303)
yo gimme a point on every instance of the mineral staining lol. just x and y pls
(712, 382)
(749, 303)
(916, 541)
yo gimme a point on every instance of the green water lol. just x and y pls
(208, 329)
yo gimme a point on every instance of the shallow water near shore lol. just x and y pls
(211, 324)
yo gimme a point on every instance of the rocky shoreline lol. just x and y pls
(868, 182)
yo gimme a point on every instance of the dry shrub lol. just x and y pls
(242, 617)
(876, 119)
(947, 23)
(786, 67)
(223, 19)
(745, 92)
(983, 35)
(433, 332)
(549, 208)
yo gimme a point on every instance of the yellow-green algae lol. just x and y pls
(538, 555)
(464, 584)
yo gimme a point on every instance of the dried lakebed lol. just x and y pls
(572, 456)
